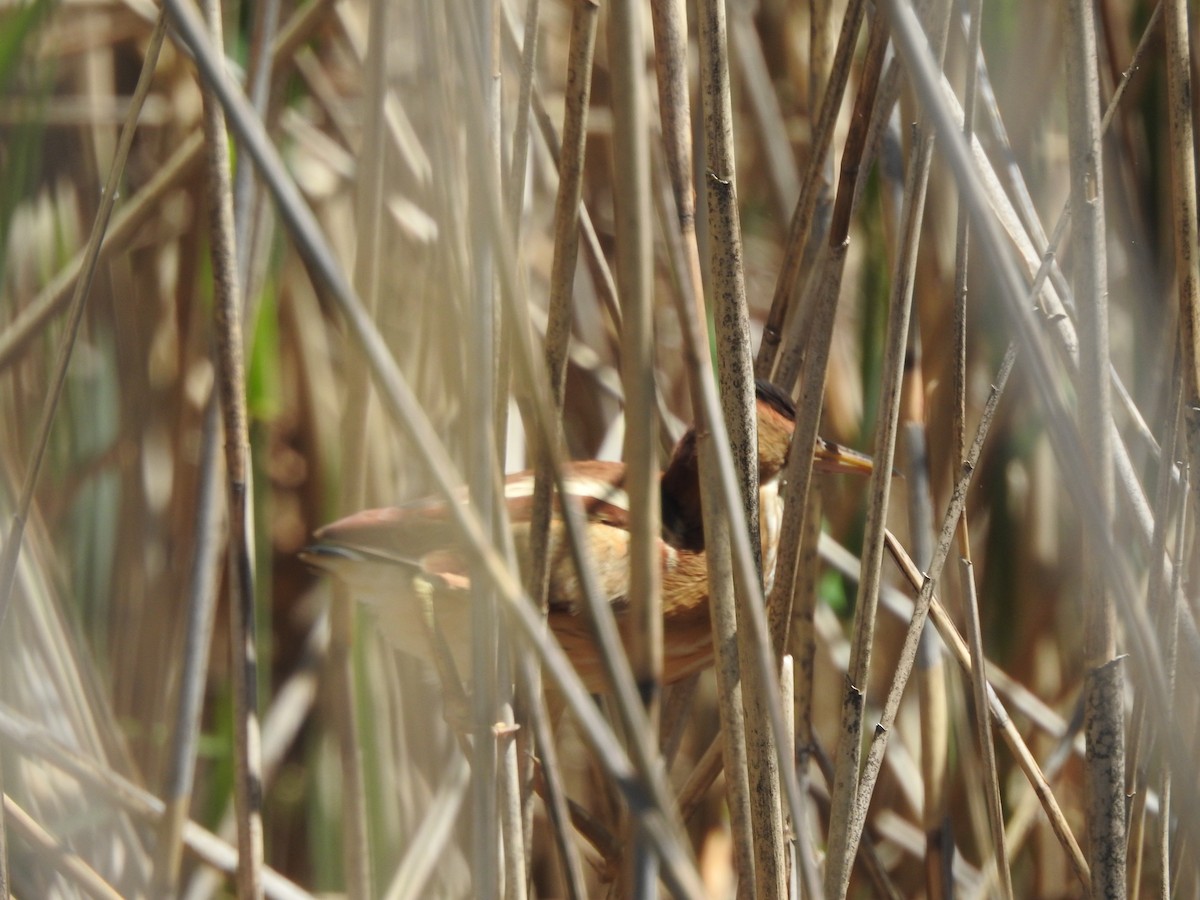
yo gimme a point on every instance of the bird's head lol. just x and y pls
(775, 418)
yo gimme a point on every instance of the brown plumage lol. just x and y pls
(407, 562)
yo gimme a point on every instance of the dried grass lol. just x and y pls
(381, 130)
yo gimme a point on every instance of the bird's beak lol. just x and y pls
(832, 457)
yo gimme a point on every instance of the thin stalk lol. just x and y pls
(512, 820)
(670, 26)
(343, 614)
(249, 214)
(669, 18)
(931, 671)
(803, 642)
(961, 257)
(521, 129)
(983, 734)
(231, 381)
(581, 54)
(567, 212)
(201, 612)
(1183, 220)
(1179, 602)
(631, 169)
(631, 200)
(473, 29)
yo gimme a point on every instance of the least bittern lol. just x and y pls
(407, 561)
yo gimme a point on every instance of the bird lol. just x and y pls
(408, 564)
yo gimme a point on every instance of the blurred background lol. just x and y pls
(379, 146)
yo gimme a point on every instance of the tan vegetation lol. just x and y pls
(422, 210)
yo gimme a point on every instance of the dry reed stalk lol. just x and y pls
(356, 836)
(983, 735)
(567, 210)
(631, 201)
(1183, 218)
(736, 377)
(1104, 718)
(931, 674)
(824, 283)
(475, 37)
(567, 213)
(631, 172)
(231, 381)
(201, 612)
(729, 747)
